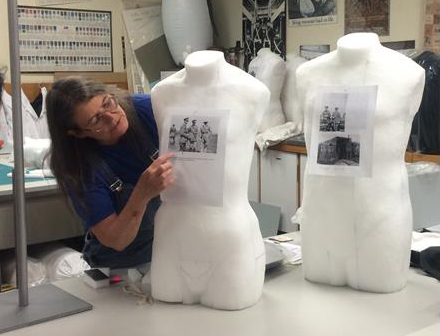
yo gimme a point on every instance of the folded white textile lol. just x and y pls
(276, 134)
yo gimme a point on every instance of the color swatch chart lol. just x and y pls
(54, 39)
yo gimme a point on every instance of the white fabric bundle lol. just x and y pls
(276, 134)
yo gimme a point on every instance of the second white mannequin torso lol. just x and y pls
(356, 231)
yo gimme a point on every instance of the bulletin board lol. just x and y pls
(58, 39)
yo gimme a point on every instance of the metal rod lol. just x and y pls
(18, 182)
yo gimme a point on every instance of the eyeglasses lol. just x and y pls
(97, 122)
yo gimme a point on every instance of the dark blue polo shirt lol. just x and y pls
(123, 162)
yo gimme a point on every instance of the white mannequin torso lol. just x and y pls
(356, 231)
(212, 255)
(270, 69)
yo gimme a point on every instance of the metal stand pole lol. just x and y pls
(48, 302)
(18, 182)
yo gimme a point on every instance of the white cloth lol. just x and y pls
(29, 116)
(422, 240)
(276, 134)
(34, 126)
(5, 132)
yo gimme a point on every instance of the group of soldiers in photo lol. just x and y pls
(190, 138)
(331, 121)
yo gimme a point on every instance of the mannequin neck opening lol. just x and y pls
(203, 67)
(357, 47)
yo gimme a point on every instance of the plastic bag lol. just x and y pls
(35, 269)
(425, 128)
(60, 262)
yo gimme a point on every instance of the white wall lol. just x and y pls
(406, 23)
(115, 6)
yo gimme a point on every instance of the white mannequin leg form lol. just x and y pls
(357, 231)
(212, 255)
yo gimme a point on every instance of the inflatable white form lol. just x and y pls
(270, 69)
(357, 231)
(187, 27)
(213, 255)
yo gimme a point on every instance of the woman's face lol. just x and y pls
(101, 118)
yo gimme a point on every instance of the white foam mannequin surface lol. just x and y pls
(357, 231)
(270, 69)
(206, 254)
(289, 94)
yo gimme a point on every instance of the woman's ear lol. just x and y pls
(76, 133)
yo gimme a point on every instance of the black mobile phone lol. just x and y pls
(96, 274)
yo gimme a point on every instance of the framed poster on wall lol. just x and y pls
(264, 26)
(58, 39)
(432, 25)
(367, 16)
(311, 12)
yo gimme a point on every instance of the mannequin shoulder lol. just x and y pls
(249, 85)
(401, 64)
(304, 69)
(168, 83)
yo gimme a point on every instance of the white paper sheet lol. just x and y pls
(342, 131)
(199, 147)
(143, 25)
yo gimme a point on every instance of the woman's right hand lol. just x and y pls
(157, 177)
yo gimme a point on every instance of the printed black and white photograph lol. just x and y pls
(340, 151)
(198, 140)
(333, 112)
(310, 12)
(342, 131)
(332, 119)
(310, 52)
(193, 134)
(264, 26)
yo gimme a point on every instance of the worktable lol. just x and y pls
(289, 305)
(48, 215)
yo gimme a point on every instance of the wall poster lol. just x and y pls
(264, 26)
(432, 25)
(58, 39)
(310, 52)
(367, 16)
(311, 12)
